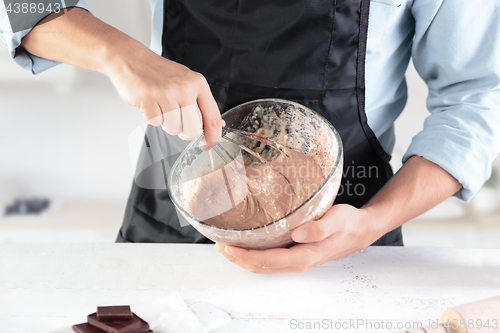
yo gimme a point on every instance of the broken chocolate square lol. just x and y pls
(113, 319)
(114, 313)
(135, 325)
(86, 328)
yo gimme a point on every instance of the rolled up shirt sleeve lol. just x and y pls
(12, 39)
(456, 51)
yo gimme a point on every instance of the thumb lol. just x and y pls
(334, 220)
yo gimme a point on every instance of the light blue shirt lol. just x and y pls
(455, 45)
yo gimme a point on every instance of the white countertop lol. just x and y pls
(44, 287)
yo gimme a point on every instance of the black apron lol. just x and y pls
(308, 51)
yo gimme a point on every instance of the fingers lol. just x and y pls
(192, 111)
(295, 259)
(191, 122)
(172, 119)
(339, 219)
(184, 121)
(315, 231)
(251, 268)
(212, 122)
(152, 113)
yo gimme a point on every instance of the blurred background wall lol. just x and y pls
(64, 132)
(63, 136)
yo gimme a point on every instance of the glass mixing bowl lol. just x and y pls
(285, 122)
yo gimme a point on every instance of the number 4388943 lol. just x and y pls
(471, 324)
(32, 8)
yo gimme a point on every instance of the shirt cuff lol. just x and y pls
(464, 153)
(13, 42)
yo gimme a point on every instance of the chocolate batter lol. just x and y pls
(246, 196)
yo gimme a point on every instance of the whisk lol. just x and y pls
(228, 158)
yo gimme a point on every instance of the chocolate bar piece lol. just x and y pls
(135, 325)
(113, 319)
(114, 313)
(86, 328)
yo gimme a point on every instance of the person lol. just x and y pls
(345, 59)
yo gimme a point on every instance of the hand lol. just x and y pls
(343, 230)
(167, 93)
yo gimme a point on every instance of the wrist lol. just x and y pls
(118, 51)
(376, 224)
